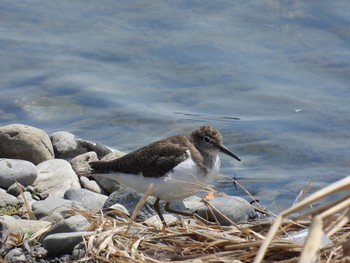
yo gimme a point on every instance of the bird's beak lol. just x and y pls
(223, 149)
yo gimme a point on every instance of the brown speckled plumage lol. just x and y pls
(160, 157)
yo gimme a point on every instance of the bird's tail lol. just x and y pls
(100, 166)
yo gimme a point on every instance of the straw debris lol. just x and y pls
(268, 240)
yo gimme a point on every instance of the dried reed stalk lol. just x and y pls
(113, 240)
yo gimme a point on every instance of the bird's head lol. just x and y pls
(208, 140)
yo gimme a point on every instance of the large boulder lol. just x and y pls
(19, 141)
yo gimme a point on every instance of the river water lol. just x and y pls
(272, 76)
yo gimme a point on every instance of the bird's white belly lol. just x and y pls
(184, 181)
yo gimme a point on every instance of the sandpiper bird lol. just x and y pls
(177, 166)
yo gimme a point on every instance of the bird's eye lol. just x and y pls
(206, 139)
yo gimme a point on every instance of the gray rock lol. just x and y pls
(55, 178)
(7, 199)
(66, 242)
(92, 185)
(19, 141)
(80, 163)
(75, 223)
(66, 145)
(35, 194)
(235, 208)
(129, 199)
(15, 255)
(30, 189)
(54, 209)
(12, 170)
(13, 189)
(91, 200)
(9, 225)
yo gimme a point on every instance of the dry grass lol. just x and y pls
(259, 241)
(194, 240)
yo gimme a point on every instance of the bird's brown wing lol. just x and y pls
(154, 160)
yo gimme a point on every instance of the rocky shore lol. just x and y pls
(45, 179)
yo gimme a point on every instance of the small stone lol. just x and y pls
(24, 142)
(66, 146)
(89, 199)
(107, 184)
(55, 178)
(80, 163)
(30, 189)
(92, 185)
(39, 253)
(35, 194)
(13, 189)
(12, 170)
(79, 251)
(15, 255)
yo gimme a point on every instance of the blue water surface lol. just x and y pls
(272, 76)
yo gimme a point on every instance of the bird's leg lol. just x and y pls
(170, 210)
(157, 209)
